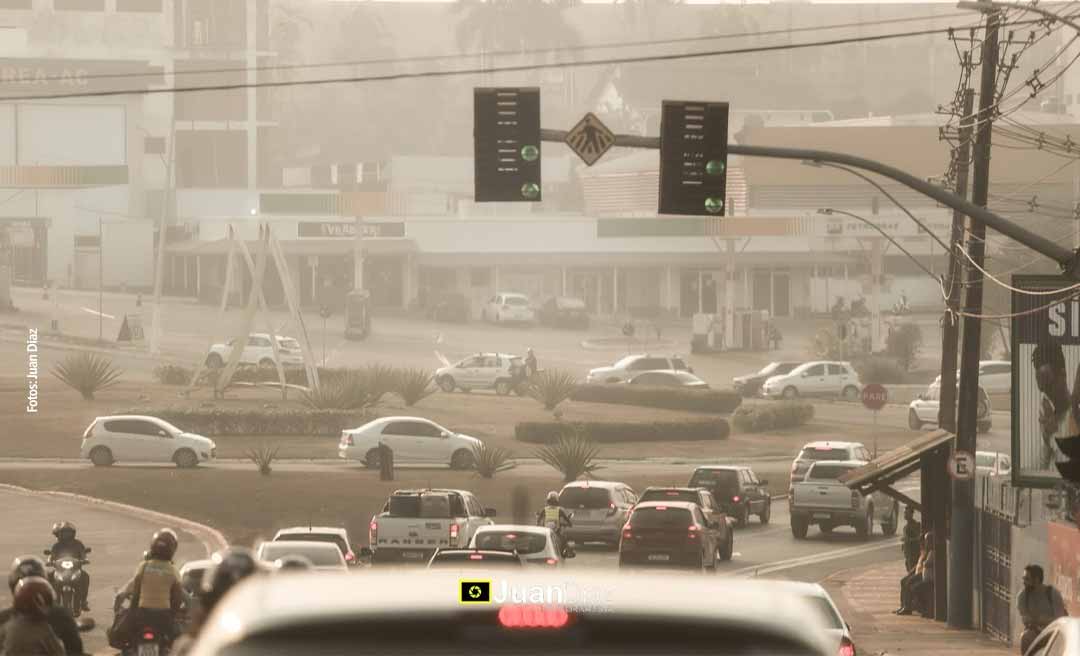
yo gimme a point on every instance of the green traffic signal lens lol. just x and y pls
(530, 153)
(530, 190)
(714, 167)
(714, 205)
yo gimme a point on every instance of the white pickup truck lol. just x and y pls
(414, 523)
(822, 500)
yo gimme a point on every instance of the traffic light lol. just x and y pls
(1070, 469)
(693, 158)
(506, 141)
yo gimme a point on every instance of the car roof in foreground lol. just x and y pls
(266, 603)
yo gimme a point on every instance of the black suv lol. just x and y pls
(737, 489)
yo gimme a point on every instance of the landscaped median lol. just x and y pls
(216, 421)
(608, 432)
(762, 417)
(721, 402)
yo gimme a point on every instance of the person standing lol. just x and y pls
(1038, 604)
(531, 365)
(911, 539)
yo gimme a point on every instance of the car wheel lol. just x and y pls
(728, 549)
(373, 459)
(850, 393)
(186, 459)
(446, 384)
(799, 527)
(214, 361)
(101, 456)
(913, 421)
(790, 393)
(462, 459)
(866, 526)
(502, 387)
(764, 515)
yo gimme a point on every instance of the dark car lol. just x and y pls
(563, 312)
(455, 558)
(737, 489)
(670, 378)
(448, 306)
(669, 534)
(750, 385)
(723, 534)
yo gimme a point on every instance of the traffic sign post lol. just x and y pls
(874, 398)
(590, 139)
(961, 466)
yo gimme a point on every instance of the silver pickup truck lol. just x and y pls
(822, 500)
(415, 523)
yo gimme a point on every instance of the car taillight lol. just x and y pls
(454, 529)
(476, 556)
(611, 509)
(350, 557)
(551, 561)
(847, 647)
(148, 634)
(533, 617)
(735, 498)
(373, 532)
(854, 499)
(346, 439)
(627, 532)
(692, 532)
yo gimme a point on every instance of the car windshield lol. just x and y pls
(430, 506)
(585, 498)
(332, 538)
(523, 543)
(319, 555)
(724, 480)
(661, 517)
(516, 300)
(823, 453)
(625, 362)
(289, 343)
(669, 495)
(828, 472)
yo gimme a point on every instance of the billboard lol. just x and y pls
(1045, 375)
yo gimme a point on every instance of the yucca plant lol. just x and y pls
(88, 373)
(381, 380)
(350, 391)
(490, 460)
(573, 454)
(263, 457)
(413, 385)
(551, 387)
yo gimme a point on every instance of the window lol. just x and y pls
(725, 481)
(678, 364)
(523, 543)
(211, 158)
(400, 428)
(133, 427)
(262, 342)
(424, 429)
(823, 453)
(457, 506)
(826, 611)
(646, 364)
(816, 370)
(661, 517)
(474, 507)
(836, 370)
(429, 506)
(585, 498)
(828, 472)
(490, 362)
(332, 538)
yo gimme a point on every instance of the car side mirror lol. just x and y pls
(489, 512)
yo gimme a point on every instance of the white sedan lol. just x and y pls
(139, 438)
(413, 440)
(537, 545)
(325, 556)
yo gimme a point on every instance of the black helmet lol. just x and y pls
(61, 528)
(163, 544)
(293, 563)
(33, 596)
(24, 566)
(230, 566)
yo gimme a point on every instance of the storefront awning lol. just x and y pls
(299, 247)
(880, 473)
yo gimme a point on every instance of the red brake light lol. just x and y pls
(551, 561)
(148, 635)
(476, 556)
(454, 529)
(533, 617)
(346, 439)
(627, 532)
(735, 498)
(692, 532)
(373, 532)
(350, 557)
(847, 648)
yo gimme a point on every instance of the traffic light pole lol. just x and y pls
(1067, 259)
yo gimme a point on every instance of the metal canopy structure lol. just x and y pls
(883, 471)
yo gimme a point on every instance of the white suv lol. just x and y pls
(995, 376)
(630, 366)
(506, 307)
(481, 371)
(822, 378)
(258, 351)
(815, 451)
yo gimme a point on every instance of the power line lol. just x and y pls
(529, 52)
(517, 68)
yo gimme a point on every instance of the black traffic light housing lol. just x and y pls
(693, 158)
(506, 142)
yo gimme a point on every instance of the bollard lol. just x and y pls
(519, 505)
(386, 463)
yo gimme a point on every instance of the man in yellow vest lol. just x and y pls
(156, 592)
(555, 518)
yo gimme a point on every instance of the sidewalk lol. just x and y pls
(867, 598)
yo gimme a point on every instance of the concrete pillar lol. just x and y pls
(729, 296)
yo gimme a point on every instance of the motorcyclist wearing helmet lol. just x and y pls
(555, 518)
(68, 545)
(59, 618)
(28, 631)
(157, 585)
(230, 566)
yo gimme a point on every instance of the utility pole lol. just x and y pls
(159, 265)
(100, 283)
(962, 526)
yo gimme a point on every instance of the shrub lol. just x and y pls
(879, 370)
(413, 385)
(381, 380)
(173, 374)
(904, 343)
(762, 417)
(719, 402)
(549, 432)
(263, 458)
(351, 391)
(572, 455)
(222, 421)
(488, 461)
(551, 387)
(87, 373)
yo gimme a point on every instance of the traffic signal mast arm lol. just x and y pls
(1067, 259)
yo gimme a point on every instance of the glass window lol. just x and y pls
(430, 506)
(660, 517)
(823, 453)
(523, 543)
(457, 506)
(816, 370)
(826, 611)
(836, 370)
(585, 498)
(828, 472)
(517, 301)
(678, 364)
(319, 556)
(474, 507)
(670, 495)
(397, 428)
(724, 481)
(424, 429)
(332, 538)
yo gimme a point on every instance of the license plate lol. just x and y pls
(661, 557)
(412, 555)
(822, 515)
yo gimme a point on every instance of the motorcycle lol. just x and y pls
(66, 573)
(146, 641)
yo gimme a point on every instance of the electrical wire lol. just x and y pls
(1049, 292)
(1015, 315)
(516, 68)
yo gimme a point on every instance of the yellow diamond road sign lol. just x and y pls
(590, 139)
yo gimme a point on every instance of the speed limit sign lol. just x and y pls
(961, 466)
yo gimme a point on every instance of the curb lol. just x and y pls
(212, 539)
